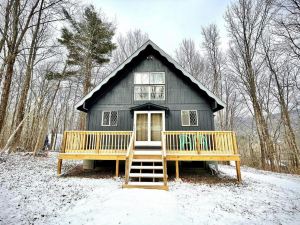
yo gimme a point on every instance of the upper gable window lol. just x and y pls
(149, 86)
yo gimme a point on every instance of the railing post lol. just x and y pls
(235, 150)
(164, 156)
(198, 142)
(126, 170)
(98, 143)
(63, 146)
(129, 156)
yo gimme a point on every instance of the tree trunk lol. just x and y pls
(86, 88)
(6, 88)
(28, 75)
(289, 132)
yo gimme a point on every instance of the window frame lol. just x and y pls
(109, 118)
(149, 85)
(189, 125)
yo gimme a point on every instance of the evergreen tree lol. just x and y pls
(89, 43)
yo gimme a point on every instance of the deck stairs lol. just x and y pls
(147, 170)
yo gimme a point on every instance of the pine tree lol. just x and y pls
(89, 44)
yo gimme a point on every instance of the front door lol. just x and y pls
(148, 126)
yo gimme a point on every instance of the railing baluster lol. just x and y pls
(176, 142)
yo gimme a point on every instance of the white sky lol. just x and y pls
(167, 22)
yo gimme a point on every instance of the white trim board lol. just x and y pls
(149, 142)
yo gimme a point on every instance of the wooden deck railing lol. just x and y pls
(96, 142)
(199, 142)
(164, 158)
(129, 157)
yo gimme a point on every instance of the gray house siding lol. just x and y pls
(180, 94)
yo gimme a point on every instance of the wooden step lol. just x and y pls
(147, 152)
(146, 186)
(145, 183)
(147, 175)
(147, 160)
(147, 167)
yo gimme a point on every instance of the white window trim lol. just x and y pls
(149, 87)
(189, 125)
(109, 119)
(148, 142)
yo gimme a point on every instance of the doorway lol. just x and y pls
(148, 126)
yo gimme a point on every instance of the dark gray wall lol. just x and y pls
(181, 94)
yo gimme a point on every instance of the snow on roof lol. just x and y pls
(128, 60)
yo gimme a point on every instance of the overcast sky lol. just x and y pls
(167, 22)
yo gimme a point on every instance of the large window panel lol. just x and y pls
(157, 92)
(142, 127)
(149, 86)
(141, 92)
(157, 78)
(141, 78)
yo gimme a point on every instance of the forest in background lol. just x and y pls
(52, 52)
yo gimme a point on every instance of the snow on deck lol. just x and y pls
(30, 193)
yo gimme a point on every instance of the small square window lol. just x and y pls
(109, 118)
(189, 118)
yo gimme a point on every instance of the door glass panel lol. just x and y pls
(156, 126)
(141, 127)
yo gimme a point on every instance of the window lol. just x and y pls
(149, 86)
(189, 118)
(109, 118)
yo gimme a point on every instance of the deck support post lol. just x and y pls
(59, 165)
(238, 170)
(177, 169)
(117, 168)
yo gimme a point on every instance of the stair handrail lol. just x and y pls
(129, 156)
(164, 156)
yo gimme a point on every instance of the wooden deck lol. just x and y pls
(176, 146)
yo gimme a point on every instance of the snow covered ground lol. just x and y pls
(30, 193)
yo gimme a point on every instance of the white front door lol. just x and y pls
(148, 126)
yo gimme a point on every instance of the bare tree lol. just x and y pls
(246, 21)
(211, 45)
(128, 44)
(21, 17)
(20, 111)
(190, 59)
(288, 19)
(279, 68)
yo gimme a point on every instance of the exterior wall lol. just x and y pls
(180, 95)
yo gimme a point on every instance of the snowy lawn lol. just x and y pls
(30, 193)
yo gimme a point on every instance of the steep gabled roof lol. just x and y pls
(220, 103)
